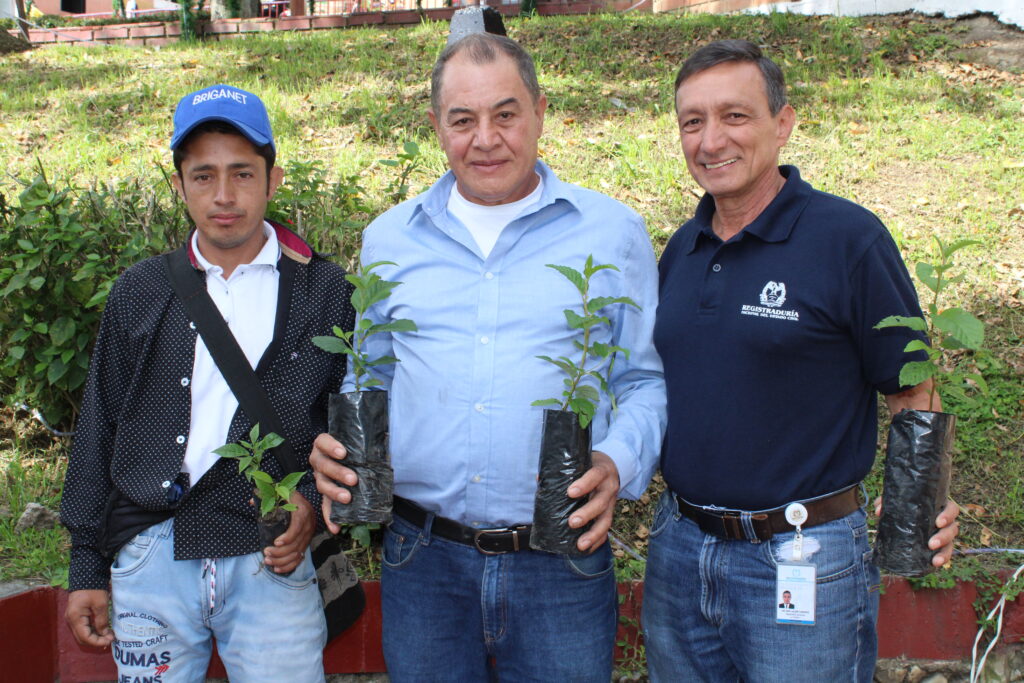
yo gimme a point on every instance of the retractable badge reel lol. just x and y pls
(795, 577)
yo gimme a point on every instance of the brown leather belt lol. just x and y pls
(728, 524)
(487, 541)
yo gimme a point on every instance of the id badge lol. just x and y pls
(795, 593)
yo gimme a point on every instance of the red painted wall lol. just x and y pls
(38, 646)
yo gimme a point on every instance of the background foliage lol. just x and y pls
(891, 115)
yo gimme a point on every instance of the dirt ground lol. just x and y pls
(992, 43)
(9, 43)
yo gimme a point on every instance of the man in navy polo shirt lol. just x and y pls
(768, 298)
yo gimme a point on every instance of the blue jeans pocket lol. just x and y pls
(300, 577)
(663, 514)
(842, 544)
(592, 566)
(401, 541)
(134, 554)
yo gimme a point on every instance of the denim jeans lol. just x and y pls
(452, 613)
(167, 612)
(709, 611)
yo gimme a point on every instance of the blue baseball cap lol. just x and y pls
(241, 109)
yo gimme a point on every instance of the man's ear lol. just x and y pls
(433, 121)
(179, 186)
(787, 121)
(540, 108)
(274, 181)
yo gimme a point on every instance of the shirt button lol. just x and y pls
(476, 479)
(192, 326)
(184, 381)
(484, 340)
(166, 484)
(717, 267)
(180, 439)
(479, 407)
(489, 275)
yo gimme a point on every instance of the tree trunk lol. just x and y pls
(249, 8)
(220, 9)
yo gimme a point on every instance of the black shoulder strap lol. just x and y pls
(190, 286)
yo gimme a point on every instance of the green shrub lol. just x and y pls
(62, 248)
(60, 251)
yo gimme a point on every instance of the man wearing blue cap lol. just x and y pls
(153, 512)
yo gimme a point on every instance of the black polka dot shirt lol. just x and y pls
(133, 428)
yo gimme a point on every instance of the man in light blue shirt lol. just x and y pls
(471, 255)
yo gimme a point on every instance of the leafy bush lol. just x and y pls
(60, 251)
(62, 247)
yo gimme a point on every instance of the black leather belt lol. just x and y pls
(728, 524)
(487, 541)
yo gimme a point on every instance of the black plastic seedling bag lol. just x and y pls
(359, 420)
(273, 525)
(916, 486)
(564, 457)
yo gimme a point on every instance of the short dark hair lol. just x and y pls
(483, 48)
(224, 128)
(722, 51)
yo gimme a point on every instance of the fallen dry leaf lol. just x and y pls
(986, 536)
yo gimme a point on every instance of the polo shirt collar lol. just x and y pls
(774, 224)
(434, 202)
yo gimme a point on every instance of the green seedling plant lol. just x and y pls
(369, 289)
(579, 397)
(272, 495)
(949, 329)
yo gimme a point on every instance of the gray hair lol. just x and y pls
(722, 51)
(483, 48)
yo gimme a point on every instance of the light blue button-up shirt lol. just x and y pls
(465, 440)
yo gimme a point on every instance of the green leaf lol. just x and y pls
(292, 480)
(400, 325)
(17, 352)
(259, 476)
(590, 270)
(56, 370)
(231, 450)
(411, 148)
(599, 302)
(267, 502)
(575, 320)
(573, 276)
(37, 282)
(916, 345)
(272, 440)
(254, 433)
(563, 363)
(962, 326)
(980, 381)
(62, 330)
(26, 245)
(956, 246)
(914, 323)
(546, 402)
(915, 372)
(588, 392)
(332, 344)
(360, 534)
(383, 360)
(926, 274)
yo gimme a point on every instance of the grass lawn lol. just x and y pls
(889, 116)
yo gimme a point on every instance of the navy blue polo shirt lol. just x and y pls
(771, 360)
